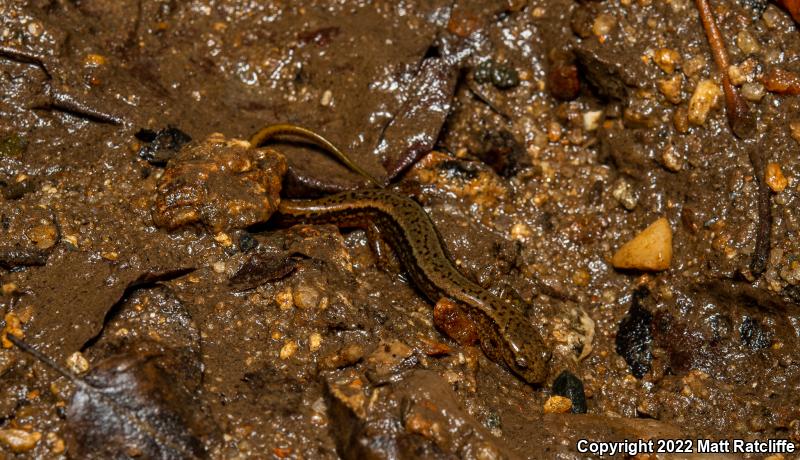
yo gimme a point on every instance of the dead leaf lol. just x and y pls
(134, 405)
(262, 266)
(72, 297)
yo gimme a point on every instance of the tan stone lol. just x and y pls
(557, 405)
(649, 250)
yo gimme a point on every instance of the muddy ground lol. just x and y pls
(559, 129)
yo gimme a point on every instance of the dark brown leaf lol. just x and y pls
(137, 404)
(414, 131)
(262, 266)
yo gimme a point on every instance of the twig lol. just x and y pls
(739, 118)
(54, 99)
(764, 225)
(743, 126)
(489, 103)
(49, 362)
(11, 259)
(24, 57)
(67, 104)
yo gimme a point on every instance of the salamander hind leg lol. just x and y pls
(387, 260)
(450, 318)
(491, 341)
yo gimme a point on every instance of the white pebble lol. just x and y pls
(326, 99)
(591, 120)
(77, 363)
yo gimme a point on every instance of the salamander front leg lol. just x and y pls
(387, 260)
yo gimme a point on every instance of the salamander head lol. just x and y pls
(524, 351)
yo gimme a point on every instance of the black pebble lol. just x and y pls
(505, 77)
(634, 337)
(570, 386)
(793, 293)
(456, 169)
(380, 317)
(483, 73)
(753, 335)
(161, 145)
(493, 420)
(500, 75)
(247, 242)
(720, 326)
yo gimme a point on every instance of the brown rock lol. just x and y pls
(13, 327)
(782, 82)
(222, 184)
(667, 59)
(670, 87)
(44, 236)
(563, 81)
(706, 96)
(19, 440)
(343, 357)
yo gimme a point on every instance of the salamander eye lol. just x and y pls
(521, 362)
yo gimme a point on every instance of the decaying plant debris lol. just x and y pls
(540, 136)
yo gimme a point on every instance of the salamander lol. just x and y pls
(506, 336)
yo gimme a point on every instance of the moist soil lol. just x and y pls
(538, 135)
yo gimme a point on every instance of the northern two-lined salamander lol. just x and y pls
(506, 336)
